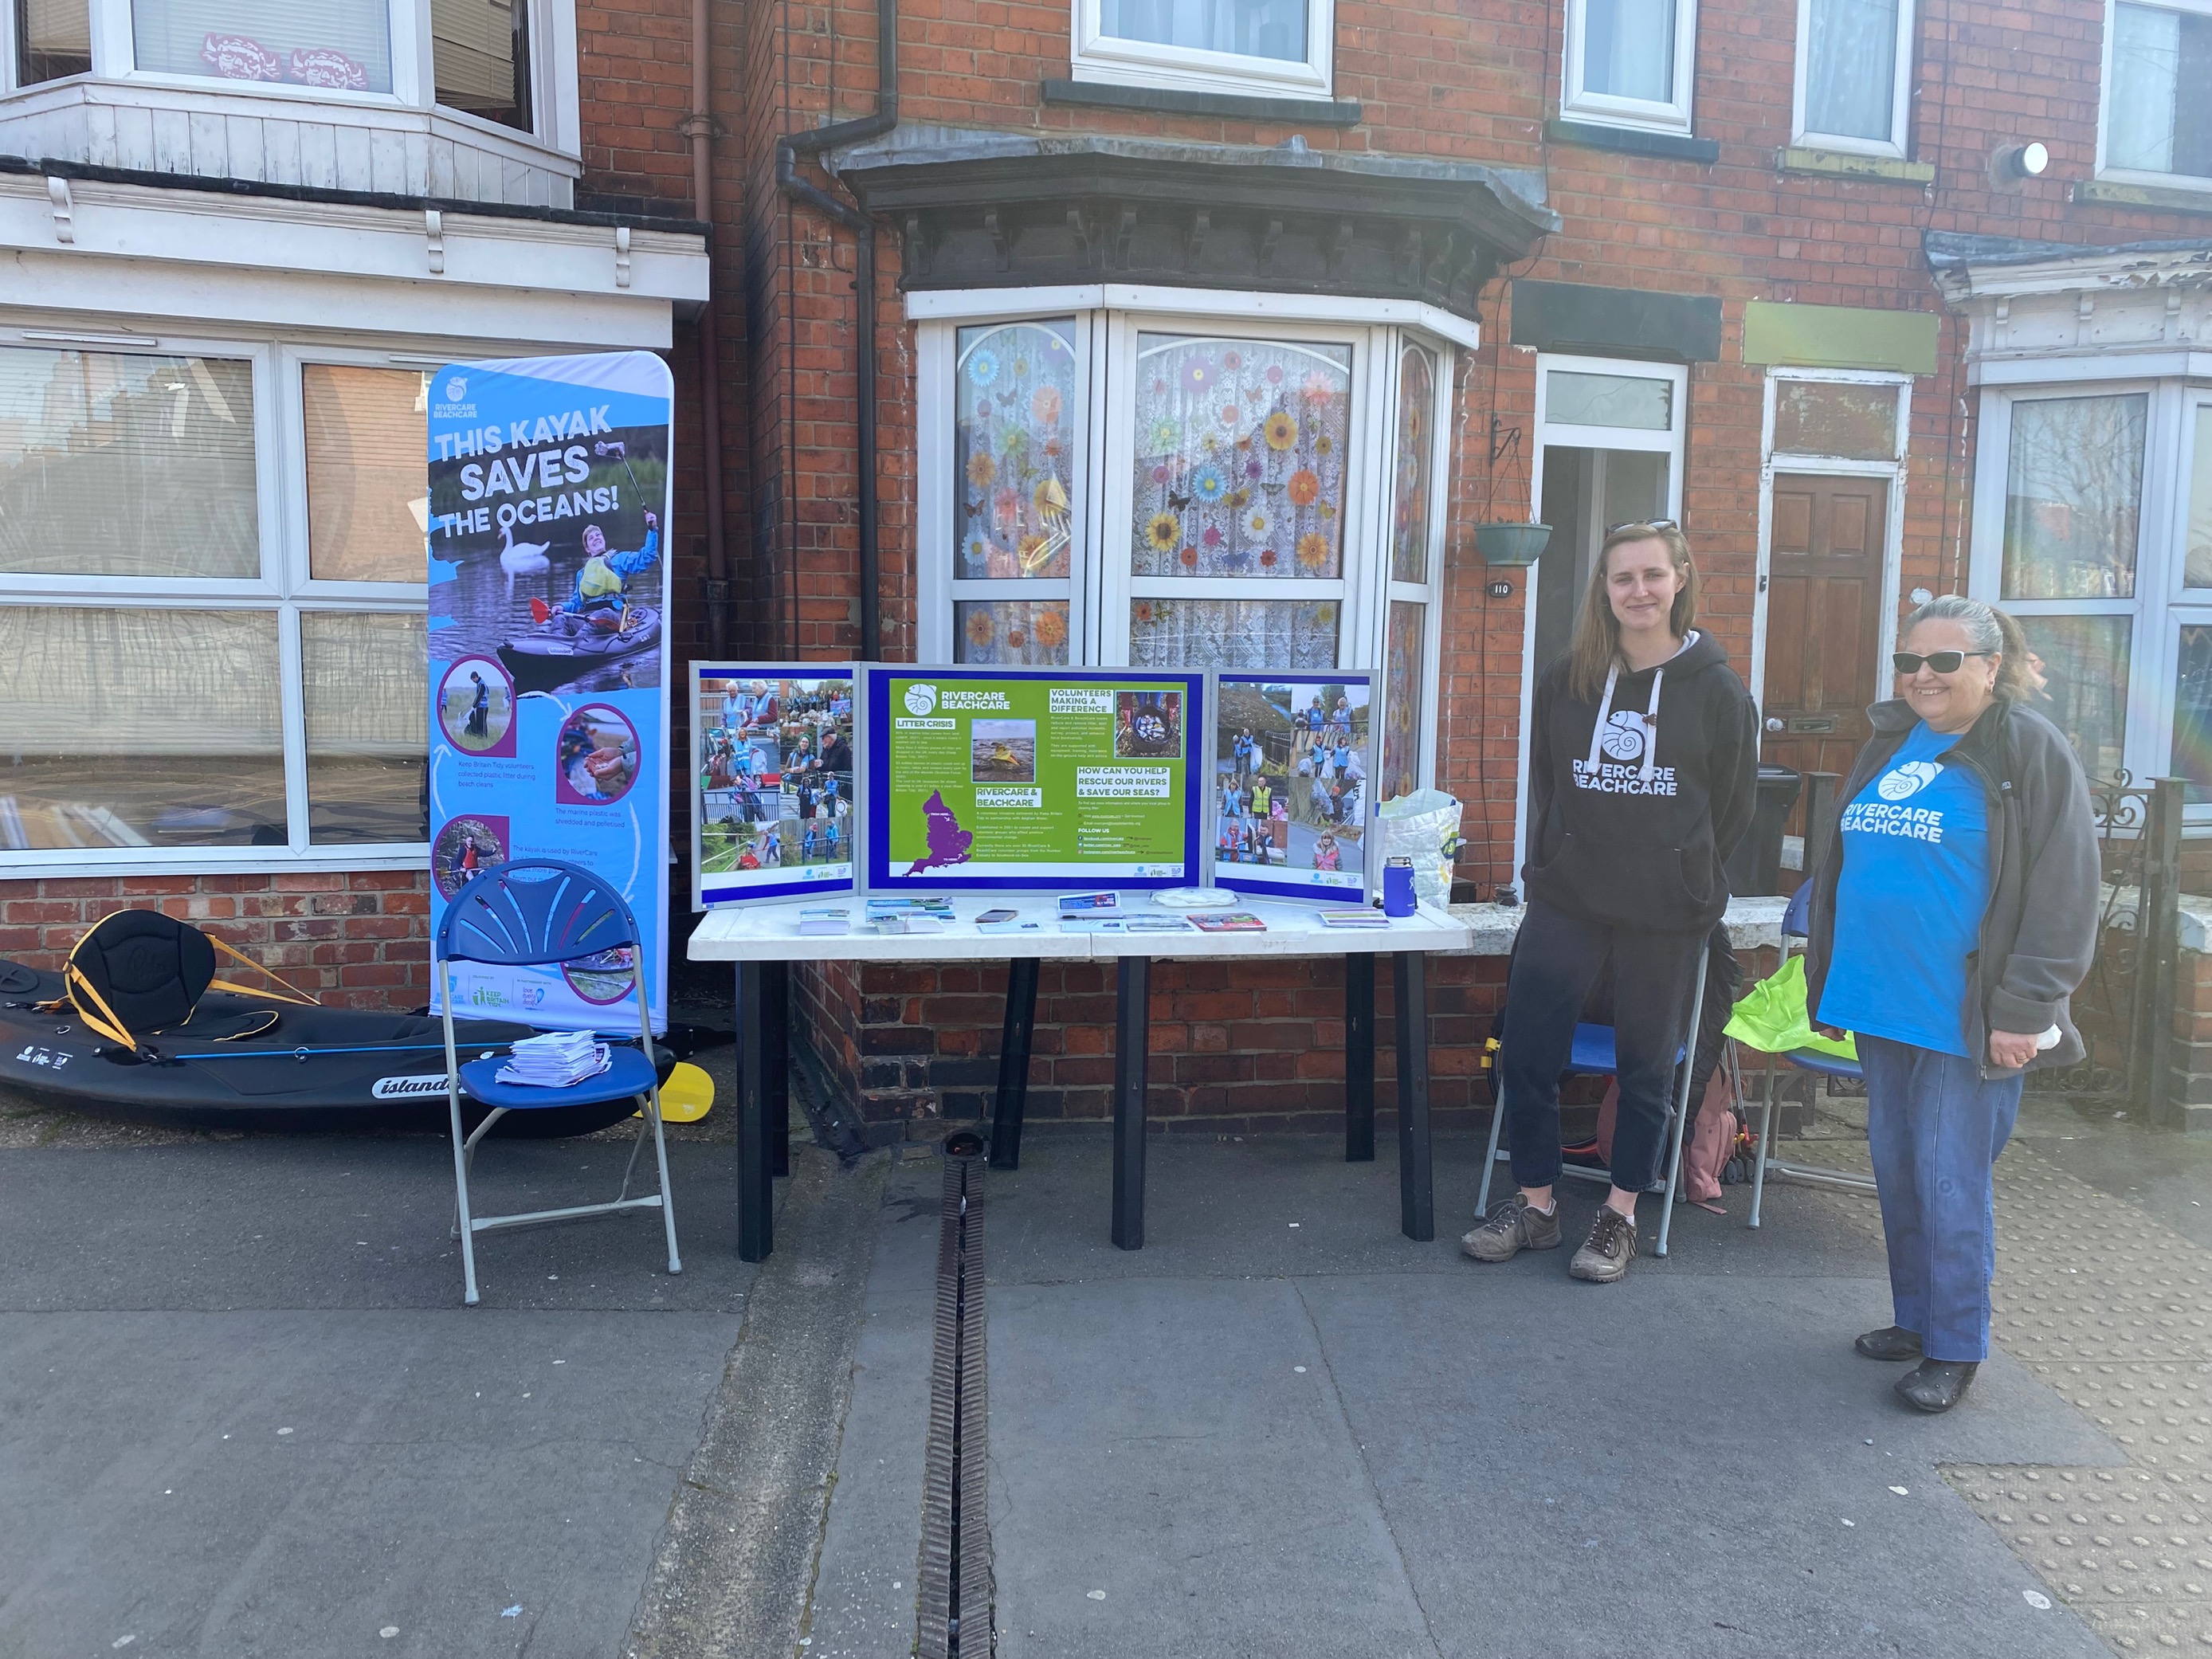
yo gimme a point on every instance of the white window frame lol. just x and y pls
(1116, 60)
(1428, 590)
(1673, 115)
(2107, 87)
(1895, 470)
(1674, 443)
(1109, 316)
(1900, 90)
(555, 118)
(283, 588)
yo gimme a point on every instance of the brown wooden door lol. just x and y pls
(1823, 622)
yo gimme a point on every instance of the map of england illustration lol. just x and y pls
(948, 841)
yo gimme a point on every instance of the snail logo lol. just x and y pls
(456, 389)
(1626, 732)
(920, 699)
(1908, 779)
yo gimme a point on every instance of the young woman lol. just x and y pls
(1643, 762)
(1952, 915)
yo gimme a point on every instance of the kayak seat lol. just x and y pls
(140, 970)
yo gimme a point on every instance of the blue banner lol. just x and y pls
(549, 546)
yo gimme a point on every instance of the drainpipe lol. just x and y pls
(787, 151)
(699, 127)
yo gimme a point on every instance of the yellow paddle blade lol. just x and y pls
(688, 1094)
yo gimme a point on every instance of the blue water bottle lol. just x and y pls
(1398, 887)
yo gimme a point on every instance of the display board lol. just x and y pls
(1028, 778)
(549, 695)
(1293, 757)
(772, 771)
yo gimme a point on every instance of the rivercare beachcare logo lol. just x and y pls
(1626, 732)
(921, 700)
(450, 406)
(1908, 779)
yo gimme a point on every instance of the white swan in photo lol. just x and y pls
(522, 558)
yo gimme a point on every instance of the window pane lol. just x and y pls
(368, 710)
(1409, 519)
(1013, 449)
(1629, 400)
(1402, 690)
(1015, 631)
(1258, 634)
(2149, 126)
(1254, 28)
(1628, 49)
(126, 466)
(368, 485)
(1822, 417)
(342, 44)
(480, 53)
(141, 728)
(2084, 670)
(1851, 69)
(2196, 553)
(2073, 487)
(2192, 711)
(54, 38)
(1240, 459)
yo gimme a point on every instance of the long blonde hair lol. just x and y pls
(1596, 645)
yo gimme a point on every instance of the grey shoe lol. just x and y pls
(1611, 1247)
(1513, 1227)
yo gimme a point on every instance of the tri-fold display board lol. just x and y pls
(824, 778)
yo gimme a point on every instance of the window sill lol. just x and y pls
(187, 861)
(2163, 198)
(1633, 141)
(1178, 100)
(1812, 161)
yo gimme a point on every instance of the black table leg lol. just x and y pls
(1417, 1198)
(775, 1062)
(755, 1186)
(1132, 1040)
(1359, 1059)
(1014, 1063)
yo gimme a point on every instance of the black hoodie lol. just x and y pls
(1625, 831)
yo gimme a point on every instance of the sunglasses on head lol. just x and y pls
(1641, 523)
(1943, 662)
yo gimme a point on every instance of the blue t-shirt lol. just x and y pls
(1910, 902)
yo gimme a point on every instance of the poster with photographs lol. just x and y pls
(1293, 757)
(772, 767)
(548, 586)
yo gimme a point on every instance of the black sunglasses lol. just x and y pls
(1943, 662)
(1641, 523)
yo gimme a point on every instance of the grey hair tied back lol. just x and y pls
(1987, 628)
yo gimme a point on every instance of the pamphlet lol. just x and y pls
(1227, 921)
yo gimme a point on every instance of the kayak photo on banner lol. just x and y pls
(549, 532)
(1010, 778)
(772, 751)
(1292, 758)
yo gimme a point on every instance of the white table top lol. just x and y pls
(770, 932)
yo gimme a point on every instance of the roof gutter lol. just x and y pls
(788, 150)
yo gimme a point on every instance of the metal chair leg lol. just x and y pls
(1766, 1146)
(461, 1203)
(1490, 1152)
(667, 1198)
(1682, 1106)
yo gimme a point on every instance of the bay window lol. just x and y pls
(1631, 62)
(1275, 48)
(1854, 74)
(213, 635)
(1143, 487)
(2154, 125)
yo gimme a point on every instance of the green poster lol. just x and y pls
(984, 775)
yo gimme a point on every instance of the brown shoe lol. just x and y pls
(1511, 1228)
(1611, 1247)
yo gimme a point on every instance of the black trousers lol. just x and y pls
(1556, 962)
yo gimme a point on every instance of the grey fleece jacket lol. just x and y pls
(2039, 933)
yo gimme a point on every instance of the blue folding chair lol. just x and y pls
(1591, 1054)
(534, 913)
(1795, 925)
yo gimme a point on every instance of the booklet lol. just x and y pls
(1080, 904)
(1354, 919)
(826, 919)
(1227, 921)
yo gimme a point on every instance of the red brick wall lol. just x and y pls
(356, 940)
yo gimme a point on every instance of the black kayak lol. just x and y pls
(311, 1069)
(563, 646)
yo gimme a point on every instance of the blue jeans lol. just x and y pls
(1935, 1128)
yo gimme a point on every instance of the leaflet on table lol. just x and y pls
(1292, 757)
(548, 524)
(1030, 778)
(772, 764)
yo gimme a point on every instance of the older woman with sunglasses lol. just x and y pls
(1953, 914)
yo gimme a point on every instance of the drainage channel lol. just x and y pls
(956, 1538)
